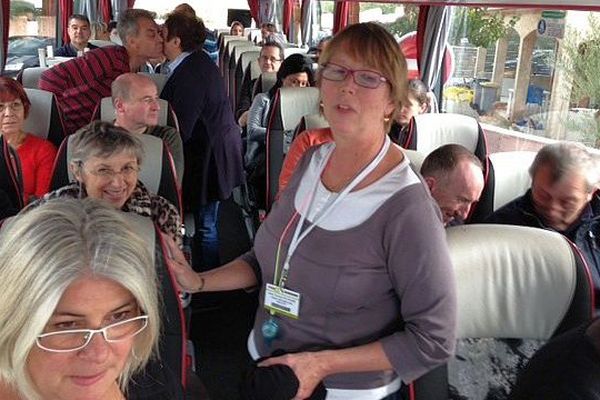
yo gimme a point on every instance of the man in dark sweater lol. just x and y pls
(79, 35)
(562, 198)
(79, 84)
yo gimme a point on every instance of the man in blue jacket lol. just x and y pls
(212, 143)
(562, 198)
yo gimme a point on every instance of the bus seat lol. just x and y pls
(235, 59)
(416, 158)
(105, 111)
(517, 287)
(30, 77)
(427, 132)
(11, 181)
(246, 58)
(44, 119)
(288, 51)
(157, 172)
(287, 109)
(101, 43)
(508, 178)
(173, 338)
(264, 83)
(254, 69)
(159, 79)
(227, 54)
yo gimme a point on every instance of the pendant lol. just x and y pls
(270, 329)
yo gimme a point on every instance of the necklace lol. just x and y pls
(15, 140)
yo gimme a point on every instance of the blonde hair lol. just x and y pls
(376, 47)
(42, 252)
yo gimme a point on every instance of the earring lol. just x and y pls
(386, 119)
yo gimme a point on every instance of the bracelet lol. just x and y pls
(199, 288)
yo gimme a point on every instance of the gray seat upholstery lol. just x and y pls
(166, 115)
(30, 77)
(264, 83)
(508, 178)
(287, 109)
(159, 79)
(157, 172)
(44, 119)
(516, 288)
(248, 56)
(102, 43)
(234, 75)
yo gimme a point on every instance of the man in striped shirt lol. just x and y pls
(79, 84)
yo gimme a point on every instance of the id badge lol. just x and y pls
(282, 301)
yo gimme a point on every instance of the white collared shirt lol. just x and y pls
(172, 65)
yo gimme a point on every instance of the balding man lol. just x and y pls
(136, 102)
(455, 178)
(562, 198)
(79, 84)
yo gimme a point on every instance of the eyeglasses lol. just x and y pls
(14, 106)
(77, 339)
(362, 77)
(107, 173)
(272, 59)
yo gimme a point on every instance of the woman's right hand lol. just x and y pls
(187, 279)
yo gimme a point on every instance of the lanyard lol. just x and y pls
(300, 234)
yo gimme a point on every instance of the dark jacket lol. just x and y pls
(585, 234)
(68, 50)
(212, 142)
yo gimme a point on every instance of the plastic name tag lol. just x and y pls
(282, 301)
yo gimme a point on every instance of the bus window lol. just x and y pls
(399, 19)
(32, 26)
(528, 74)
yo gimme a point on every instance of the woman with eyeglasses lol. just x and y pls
(79, 304)
(355, 279)
(36, 155)
(105, 162)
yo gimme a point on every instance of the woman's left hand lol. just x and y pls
(307, 366)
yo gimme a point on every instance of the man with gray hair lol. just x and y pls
(562, 198)
(79, 84)
(455, 179)
(137, 107)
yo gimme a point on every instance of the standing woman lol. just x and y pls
(36, 155)
(355, 240)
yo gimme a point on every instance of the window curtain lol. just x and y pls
(105, 10)
(130, 3)
(253, 5)
(4, 17)
(433, 30)
(340, 18)
(118, 6)
(308, 17)
(288, 8)
(88, 8)
(65, 11)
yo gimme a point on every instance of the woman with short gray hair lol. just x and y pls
(79, 308)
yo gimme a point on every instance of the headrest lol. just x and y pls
(510, 175)
(315, 121)
(40, 113)
(294, 103)
(107, 111)
(144, 227)
(435, 130)
(159, 79)
(267, 81)
(415, 158)
(31, 76)
(232, 44)
(254, 69)
(101, 43)
(151, 171)
(288, 51)
(512, 281)
(242, 48)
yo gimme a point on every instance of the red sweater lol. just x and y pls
(37, 160)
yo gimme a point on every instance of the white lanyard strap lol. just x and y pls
(300, 234)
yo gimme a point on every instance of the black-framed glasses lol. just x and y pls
(77, 339)
(272, 59)
(362, 77)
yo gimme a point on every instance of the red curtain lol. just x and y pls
(5, 20)
(130, 3)
(288, 8)
(105, 10)
(421, 27)
(340, 19)
(65, 11)
(254, 7)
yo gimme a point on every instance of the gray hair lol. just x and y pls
(565, 158)
(128, 22)
(445, 158)
(103, 139)
(125, 83)
(42, 252)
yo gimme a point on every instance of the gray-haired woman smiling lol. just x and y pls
(106, 161)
